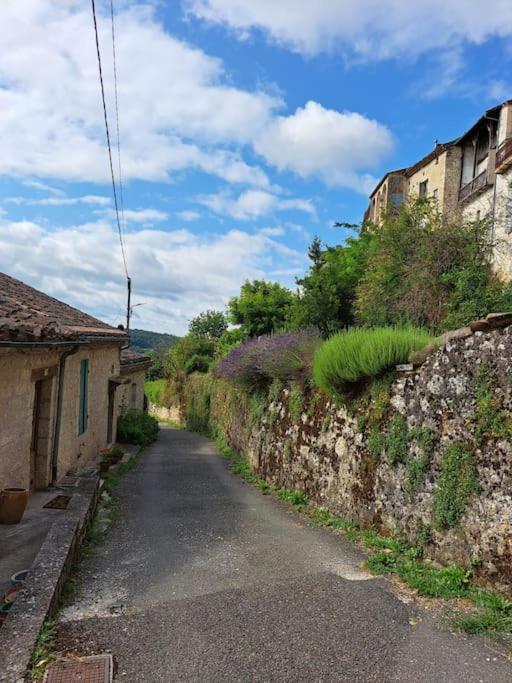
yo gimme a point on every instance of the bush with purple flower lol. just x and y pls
(287, 356)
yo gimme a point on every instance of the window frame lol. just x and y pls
(83, 397)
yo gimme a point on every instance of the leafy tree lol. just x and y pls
(261, 307)
(327, 292)
(157, 370)
(190, 354)
(428, 270)
(209, 324)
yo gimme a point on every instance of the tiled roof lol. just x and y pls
(132, 359)
(26, 314)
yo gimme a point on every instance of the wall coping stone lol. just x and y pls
(40, 594)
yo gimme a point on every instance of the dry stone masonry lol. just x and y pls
(428, 457)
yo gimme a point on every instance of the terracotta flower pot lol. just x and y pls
(13, 502)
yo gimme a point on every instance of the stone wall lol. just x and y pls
(130, 395)
(438, 435)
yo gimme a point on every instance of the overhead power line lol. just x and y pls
(120, 172)
(114, 191)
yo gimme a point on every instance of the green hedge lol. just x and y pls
(137, 427)
(360, 353)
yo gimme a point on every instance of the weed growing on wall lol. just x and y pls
(416, 465)
(491, 421)
(295, 402)
(287, 450)
(397, 440)
(274, 392)
(456, 484)
(257, 406)
(376, 443)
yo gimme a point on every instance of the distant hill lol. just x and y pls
(143, 340)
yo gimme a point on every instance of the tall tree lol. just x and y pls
(210, 324)
(261, 307)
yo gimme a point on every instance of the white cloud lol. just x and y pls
(144, 216)
(178, 109)
(188, 216)
(90, 200)
(253, 204)
(177, 273)
(332, 145)
(368, 29)
(42, 187)
(272, 232)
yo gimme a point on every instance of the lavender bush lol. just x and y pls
(287, 356)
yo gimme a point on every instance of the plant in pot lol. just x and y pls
(104, 461)
(13, 502)
(116, 454)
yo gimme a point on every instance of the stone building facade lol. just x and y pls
(59, 371)
(130, 394)
(470, 178)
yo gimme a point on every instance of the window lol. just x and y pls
(435, 193)
(423, 188)
(84, 396)
(133, 399)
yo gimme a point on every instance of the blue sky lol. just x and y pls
(246, 129)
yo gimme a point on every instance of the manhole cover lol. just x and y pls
(58, 503)
(94, 669)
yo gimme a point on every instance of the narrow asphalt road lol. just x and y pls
(204, 579)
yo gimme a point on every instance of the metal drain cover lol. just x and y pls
(94, 669)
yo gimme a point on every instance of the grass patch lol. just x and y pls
(241, 467)
(456, 484)
(43, 655)
(295, 498)
(446, 582)
(362, 353)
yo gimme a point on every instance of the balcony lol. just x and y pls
(504, 156)
(478, 184)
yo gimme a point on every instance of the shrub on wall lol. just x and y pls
(137, 427)
(357, 354)
(255, 364)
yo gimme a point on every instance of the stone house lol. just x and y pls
(130, 394)
(59, 372)
(470, 178)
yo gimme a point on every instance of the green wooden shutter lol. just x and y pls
(84, 396)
